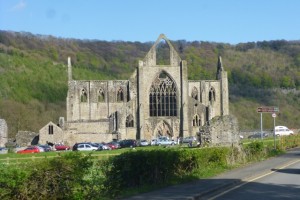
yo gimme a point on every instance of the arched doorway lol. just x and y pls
(163, 129)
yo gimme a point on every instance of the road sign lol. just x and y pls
(267, 109)
(273, 115)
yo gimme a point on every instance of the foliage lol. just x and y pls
(136, 169)
(55, 178)
(79, 176)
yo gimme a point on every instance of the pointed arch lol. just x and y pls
(83, 96)
(195, 93)
(162, 53)
(101, 95)
(163, 96)
(129, 121)
(212, 95)
(163, 129)
(120, 95)
(196, 121)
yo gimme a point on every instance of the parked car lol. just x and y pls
(283, 130)
(45, 147)
(127, 143)
(41, 149)
(189, 139)
(113, 145)
(153, 142)
(143, 143)
(86, 147)
(102, 146)
(258, 135)
(165, 141)
(3, 150)
(61, 147)
(32, 149)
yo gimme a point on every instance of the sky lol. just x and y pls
(226, 21)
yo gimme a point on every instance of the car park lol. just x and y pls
(32, 149)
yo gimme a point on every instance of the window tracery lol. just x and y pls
(163, 97)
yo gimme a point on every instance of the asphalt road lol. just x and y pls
(275, 178)
(279, 183)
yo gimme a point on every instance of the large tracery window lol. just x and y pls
(162, 97)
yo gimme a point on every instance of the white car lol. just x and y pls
(165, 141)
(283, 130)
(153, 142)
(86, 147)
(144, 143)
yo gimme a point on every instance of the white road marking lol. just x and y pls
(251, 180)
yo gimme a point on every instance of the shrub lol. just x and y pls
(57, 178)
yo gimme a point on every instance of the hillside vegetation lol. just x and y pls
(33, 83)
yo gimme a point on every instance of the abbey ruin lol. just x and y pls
(157, 100)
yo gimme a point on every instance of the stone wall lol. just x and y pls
(221, 131)
(3, 133)
(26, 138)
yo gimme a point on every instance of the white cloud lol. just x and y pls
(19, 6)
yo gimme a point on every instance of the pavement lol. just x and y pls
(202, 189)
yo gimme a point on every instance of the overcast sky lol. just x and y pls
(228, 21)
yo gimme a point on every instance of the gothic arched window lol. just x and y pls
(163, 97)
(212, 95)
(195, 93)
(120, 95)
(101, 95)
(196, 121)
(83, 96)
(129, 121)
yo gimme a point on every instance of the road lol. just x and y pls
(279, 183)
(274, 178)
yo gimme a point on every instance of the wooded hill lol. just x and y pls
(33, 83)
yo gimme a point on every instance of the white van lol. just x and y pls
(283, 130)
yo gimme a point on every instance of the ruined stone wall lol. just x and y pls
(3, 133)
(26, 138)
(221, 131)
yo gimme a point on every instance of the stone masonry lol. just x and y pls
(157, 100)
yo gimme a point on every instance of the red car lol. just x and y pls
(29, 150)
(113, 145)
(61, 147)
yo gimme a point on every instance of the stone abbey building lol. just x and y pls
(157, 100)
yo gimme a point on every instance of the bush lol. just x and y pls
(137, 169)
(57, 178)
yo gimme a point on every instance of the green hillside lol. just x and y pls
(33, 83)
